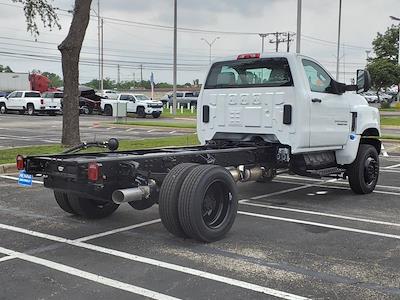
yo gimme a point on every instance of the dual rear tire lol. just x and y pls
(198, 201)
(84, 207)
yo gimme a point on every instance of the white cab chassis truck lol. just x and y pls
(258, 116)
(136, 103)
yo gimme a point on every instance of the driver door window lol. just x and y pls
(318, 78)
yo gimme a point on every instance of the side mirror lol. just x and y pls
(364, 81)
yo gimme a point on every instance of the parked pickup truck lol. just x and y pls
(259, 115)
(29, 101)
(182, 98)
(136, 103)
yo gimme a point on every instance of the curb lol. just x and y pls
(8, 168)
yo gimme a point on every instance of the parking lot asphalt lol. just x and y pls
(294, 238)
(16, 130)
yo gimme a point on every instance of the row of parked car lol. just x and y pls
(374, 97)
(33, 102)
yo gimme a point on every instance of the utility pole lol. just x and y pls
(278, 39)
(263, 36)
(338, 42)
(298, 33)
(102, 57)
(141, 74)
(175, 56)
(367, 52)
(210, 44)
(288, 40)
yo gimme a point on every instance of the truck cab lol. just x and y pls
(284, 98)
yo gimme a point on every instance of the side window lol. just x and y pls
(18, 95)
(124, 97)
(12, 95)
(318, 78)
(131, 98)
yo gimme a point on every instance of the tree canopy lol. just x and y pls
(384, 67)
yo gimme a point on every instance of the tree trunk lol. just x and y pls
(70, 50)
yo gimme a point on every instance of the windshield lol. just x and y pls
(32, 95)
(141, 97)
(268, 72)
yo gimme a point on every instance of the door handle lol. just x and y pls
(316, 100)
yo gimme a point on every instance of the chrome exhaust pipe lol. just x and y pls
(243, 175)
(133, 194)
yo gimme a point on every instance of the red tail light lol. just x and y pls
(93, 171)
(41, 101)
(20, 162)
(249, 56)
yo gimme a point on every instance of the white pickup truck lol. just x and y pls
(136, 103)
(29, 101)
(259, 115)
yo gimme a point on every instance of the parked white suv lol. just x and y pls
(29, 101)
(136, 103)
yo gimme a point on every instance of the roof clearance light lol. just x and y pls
(249, 56)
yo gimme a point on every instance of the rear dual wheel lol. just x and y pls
(84, 207)
(207, 204)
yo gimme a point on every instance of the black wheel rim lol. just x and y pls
(371, 170)
(216, 204)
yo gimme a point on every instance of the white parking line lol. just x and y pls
(281, 192)
(172, 132)
(158, 263)
(130, 129)
(151, 130)
(6, 258)
(392, 167)
(102, 234)
(381, 234)
(310, 212)
(86, 275)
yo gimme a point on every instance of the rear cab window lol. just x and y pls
(32, 95)
(248, 73)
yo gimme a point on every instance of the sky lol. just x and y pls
(130, 44)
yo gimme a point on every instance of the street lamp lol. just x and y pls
(338, 42)
(210, 44)
(298, 32)
(397, 19)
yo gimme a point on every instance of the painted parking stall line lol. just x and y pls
(87, 275)
(317, 213)
(158, 263)
(342, 228)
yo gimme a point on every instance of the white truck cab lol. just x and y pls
(289, 99)
(136, 103)
(31, 102)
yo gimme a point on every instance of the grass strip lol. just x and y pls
(9, 155)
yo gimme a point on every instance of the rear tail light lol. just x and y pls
(20, 162)
(93, 171)
(41, 101)
(249, 56)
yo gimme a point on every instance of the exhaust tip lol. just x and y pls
(118, 197)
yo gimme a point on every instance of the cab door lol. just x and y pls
(10, 101)
(330, 117)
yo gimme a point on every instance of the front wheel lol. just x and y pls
(156, 114)
(140, 112)
(363, 173)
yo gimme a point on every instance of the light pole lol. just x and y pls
(338, 42)
(397, 19)
(367, 52)
(175, 56)
(210, 44)
(298, 34)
